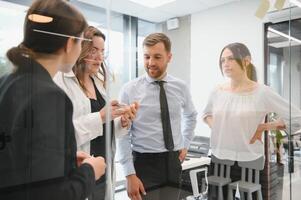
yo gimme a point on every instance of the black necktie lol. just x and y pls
(167, 133)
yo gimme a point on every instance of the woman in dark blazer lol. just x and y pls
(37, 143)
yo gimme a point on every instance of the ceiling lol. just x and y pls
(279, 41)
(177, 8)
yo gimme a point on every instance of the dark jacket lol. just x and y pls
(38, 155)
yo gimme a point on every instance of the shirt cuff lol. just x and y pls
(186, 144)
(88, 172)
(128, 168)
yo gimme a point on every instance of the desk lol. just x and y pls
(196, 165)
(195, 162)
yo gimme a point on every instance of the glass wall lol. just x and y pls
(223, 123)
(10, 30)
(283, 52)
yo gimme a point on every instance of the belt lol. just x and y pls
(151, 155)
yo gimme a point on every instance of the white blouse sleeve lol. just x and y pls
(208, 109)
(275, 103)
(87, 127)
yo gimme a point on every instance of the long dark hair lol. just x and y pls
(79, 67)
(61, 19)
(240, 51)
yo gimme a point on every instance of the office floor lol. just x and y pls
(296, 180)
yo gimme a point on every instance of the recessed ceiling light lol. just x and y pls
(152, 3)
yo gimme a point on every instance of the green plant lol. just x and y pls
(278, 143)
(278, 138)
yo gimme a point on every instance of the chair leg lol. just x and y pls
(259, 195)
(242, 195)
(249, 196)
(214, 191)
(210, 191)
(220, 193)
(230, 194)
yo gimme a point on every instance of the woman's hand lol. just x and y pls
(98, 164)
(209, 120)
(276, 125)
(80, 157)
(258, 133)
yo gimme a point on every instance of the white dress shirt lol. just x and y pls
(87, 125)
(236, 117)
(146, 133)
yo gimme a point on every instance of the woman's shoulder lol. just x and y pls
(220, 87)
(265, 88)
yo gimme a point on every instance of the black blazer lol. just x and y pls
(37, 141)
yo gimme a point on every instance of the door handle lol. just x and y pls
(4, 139)
(291, 157)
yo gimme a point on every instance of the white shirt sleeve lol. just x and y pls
(124, 143)
(87, 127)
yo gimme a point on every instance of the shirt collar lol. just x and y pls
(72, 75)
(69, 74)
(152, 80)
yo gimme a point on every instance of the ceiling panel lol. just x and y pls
(214, 3)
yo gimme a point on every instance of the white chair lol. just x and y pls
(249, 183)
(221, 175)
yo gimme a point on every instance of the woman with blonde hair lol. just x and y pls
(85, 85)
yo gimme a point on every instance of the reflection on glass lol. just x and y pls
(40, 158)
(10, 31)
(283, 74)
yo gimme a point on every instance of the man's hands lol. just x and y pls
(135, 187)
(115, 111)
(182, 154)
(129, 115)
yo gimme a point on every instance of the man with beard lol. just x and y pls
(152, 153)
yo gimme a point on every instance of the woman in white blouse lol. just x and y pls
(85, 86)
(236, 110)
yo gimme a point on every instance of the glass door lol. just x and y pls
(283, 74)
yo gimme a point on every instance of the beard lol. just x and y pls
(154, 72)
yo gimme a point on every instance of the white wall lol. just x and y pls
(210, 32)
(180, 48)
